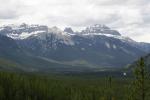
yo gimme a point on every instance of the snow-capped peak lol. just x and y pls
(54, 30)
(97, 28)
(25, 31)
(22, 31)
(23, 35)
(68, 30)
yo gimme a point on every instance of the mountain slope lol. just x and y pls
(46, 49)
(147, 60)
(13, 58)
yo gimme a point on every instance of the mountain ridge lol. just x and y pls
(95, 47)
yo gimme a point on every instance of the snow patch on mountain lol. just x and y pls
(107, 45)
(24, 31)
(114, 46)
(1, 28)
(23, 35)
(122, 38)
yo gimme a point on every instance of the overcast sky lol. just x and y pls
(130, 17)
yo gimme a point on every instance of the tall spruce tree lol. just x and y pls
(109, 89)
(140, 82)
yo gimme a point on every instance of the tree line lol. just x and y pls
(15, 86)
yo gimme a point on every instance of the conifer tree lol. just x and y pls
(109, 88)
(140, 82)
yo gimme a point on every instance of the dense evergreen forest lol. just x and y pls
(17, 86)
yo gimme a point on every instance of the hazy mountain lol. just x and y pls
(96, 47)
(135, 63)
(147, 60)
(68, 30)
(144, 46)
(14, 58)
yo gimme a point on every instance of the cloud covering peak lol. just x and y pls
(130, 17)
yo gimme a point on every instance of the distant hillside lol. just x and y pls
(38, 48)
(147, 62)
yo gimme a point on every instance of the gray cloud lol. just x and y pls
(130, 17)
(8, 14)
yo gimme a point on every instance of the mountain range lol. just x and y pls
(38, 48)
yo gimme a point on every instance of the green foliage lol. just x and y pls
(35, 87)
(140, 83)
(15, 86)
